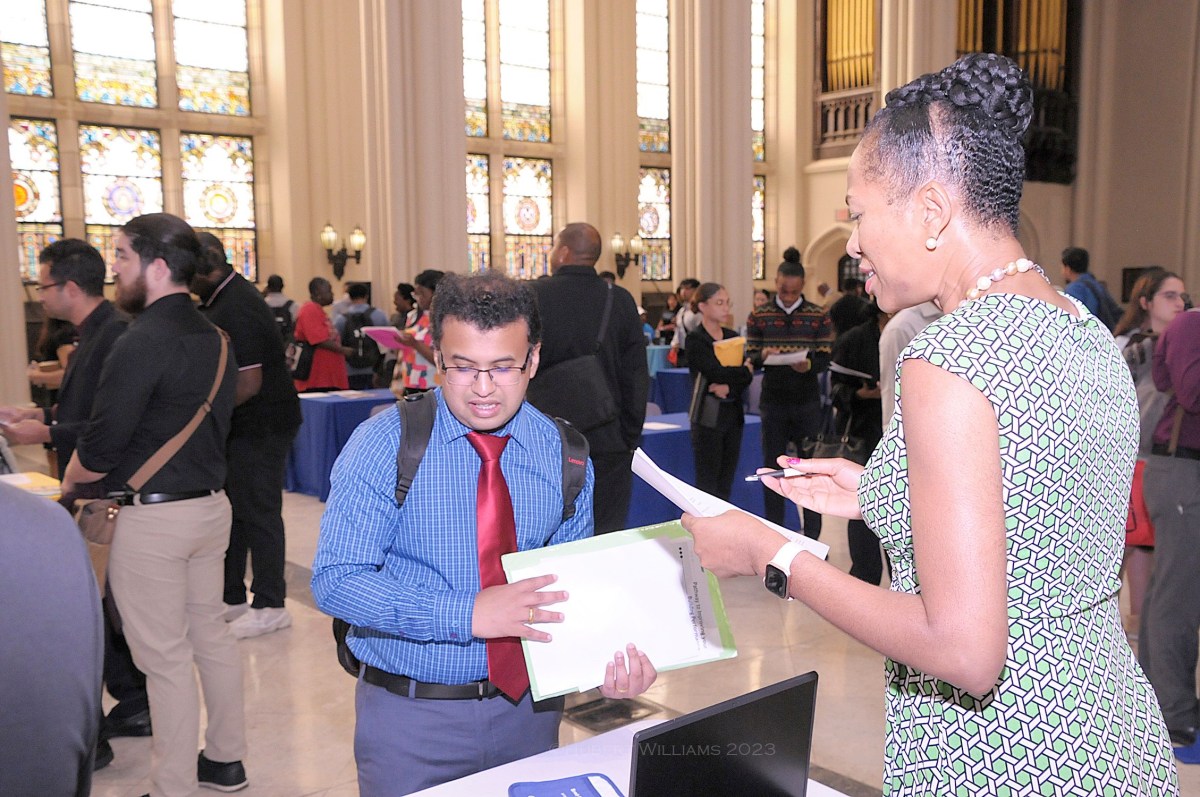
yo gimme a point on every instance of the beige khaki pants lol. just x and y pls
(166, 570)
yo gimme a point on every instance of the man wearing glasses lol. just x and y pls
(435, 698)
(71, 287)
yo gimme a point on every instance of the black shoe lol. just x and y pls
(134, 725)
(104, 755)
(1182, 737)
(229, 776)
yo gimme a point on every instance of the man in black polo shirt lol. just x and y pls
(167, 566)
(71, 287)
(265, 420)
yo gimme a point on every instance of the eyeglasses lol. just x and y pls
(503, 376)
(44, 288)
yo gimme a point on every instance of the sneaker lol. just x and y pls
(229, 776)
(235, 610)
(257, 622)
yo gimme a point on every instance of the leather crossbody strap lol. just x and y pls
(1175, 428)
(172, 446)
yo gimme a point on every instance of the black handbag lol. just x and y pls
(830, 445)
(705, 408)
(300, 359)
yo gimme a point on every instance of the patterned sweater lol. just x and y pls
(806, 327)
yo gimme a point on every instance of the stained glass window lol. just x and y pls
(653, 76)
(122, 178)
(33, 150)
(479, 213)
(654, 222)
(525, 69)
(25, 48)
(218, 194)
(528, 217)
(475, 66)
(757, 77)
(114, 52)
(211, 61)
(758, 227)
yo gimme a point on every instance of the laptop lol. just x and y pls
(757, 744)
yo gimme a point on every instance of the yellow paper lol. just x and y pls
(731, 351)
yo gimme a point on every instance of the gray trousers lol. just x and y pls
(1170, 627)
(403, 744)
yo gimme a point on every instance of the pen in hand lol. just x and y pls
(777, 474)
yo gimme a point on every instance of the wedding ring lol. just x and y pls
(530, 614)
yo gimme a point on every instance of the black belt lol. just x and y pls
(407, 687)
(162, 498)
(1182, 452)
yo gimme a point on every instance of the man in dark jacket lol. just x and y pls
(572, 303)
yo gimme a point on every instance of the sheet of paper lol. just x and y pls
(697, 502)
(841, 369)
(349, 393)
(791, 358)
(386, 337)
(658, 426)
(643, 586)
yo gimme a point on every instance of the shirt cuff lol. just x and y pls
(451, 615)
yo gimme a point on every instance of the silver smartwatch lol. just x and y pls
(775, 579)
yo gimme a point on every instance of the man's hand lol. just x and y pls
(26, 432)
(621, 682)
(508, 609)
(802, 367)
(14, 414)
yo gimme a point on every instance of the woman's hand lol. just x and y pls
(832, 489)
(734, 543)
(718, 390)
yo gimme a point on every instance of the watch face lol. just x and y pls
(775, 580)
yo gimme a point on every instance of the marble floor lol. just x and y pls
(300, 709)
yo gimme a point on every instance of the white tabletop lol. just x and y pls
(609, 753)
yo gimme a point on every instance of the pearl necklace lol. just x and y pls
(1019, 266)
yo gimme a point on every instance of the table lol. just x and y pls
(656, 358)
(609, 753)
(672, 389)
(329, 420)
(671, 450)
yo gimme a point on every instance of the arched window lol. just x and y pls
(201, 110)
(758, 137)
(509, 171)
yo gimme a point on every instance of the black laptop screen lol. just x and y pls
(757, 744)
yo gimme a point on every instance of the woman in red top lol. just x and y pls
(313, 327)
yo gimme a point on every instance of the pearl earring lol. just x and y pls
(931, 243)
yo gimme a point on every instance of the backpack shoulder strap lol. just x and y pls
(574, 465)
(417, 414)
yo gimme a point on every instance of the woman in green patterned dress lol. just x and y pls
(999, 489)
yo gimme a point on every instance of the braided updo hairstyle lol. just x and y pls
(962, 126)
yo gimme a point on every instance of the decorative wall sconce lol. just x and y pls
(330, 238)
(625, 254)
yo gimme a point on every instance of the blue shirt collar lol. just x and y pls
(450, 428)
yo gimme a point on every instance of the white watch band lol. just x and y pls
(783, 559)
(783, 563)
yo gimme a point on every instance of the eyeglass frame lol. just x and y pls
(40, 288)
(478, 372)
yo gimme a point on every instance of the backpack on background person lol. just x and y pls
(366, 351)
(284, 321)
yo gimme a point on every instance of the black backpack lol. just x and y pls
(417, 414)
(1109, 312)
(366, 351)
(284, 322)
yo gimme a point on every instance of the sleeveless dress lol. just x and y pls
(1072, 712)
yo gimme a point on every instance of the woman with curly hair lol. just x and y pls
(1000, 488)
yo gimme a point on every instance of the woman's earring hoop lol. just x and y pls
(931, 243)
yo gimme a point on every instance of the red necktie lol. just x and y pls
(497, 534)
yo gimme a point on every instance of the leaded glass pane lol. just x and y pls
(528, 217)
(25, 49)
(211, 57)
(475, 67)
(525, 69)
(114, 52)
(226, 12)
(218, 180)
(758, 226)
(122, 173)
(757, 79)
(653, 76)
(33, 150)
(479, 216)
(654, 222)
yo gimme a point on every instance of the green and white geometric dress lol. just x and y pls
(1072, 713)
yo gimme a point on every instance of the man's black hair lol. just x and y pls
(488, 300)
(162, 235)
(212, 255)
(75, 260)
(358, 290)
(429, 279)
(1076, 259)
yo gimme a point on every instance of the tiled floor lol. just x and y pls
(300, 714)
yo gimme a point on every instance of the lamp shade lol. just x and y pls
(617, 243)
(358, 239)
(329, 237)
(635, 246)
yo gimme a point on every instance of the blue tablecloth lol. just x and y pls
(329, 420)
(672, 390)
(671, 450)
(656, 358)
